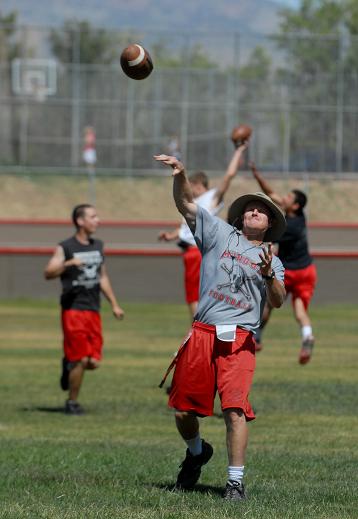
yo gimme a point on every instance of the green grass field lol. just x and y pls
(121, 458)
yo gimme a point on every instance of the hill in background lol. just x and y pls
(151, 199)
(246, 16)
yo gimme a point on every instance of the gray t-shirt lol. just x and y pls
(232, 290)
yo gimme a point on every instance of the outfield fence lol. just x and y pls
(144, 270)
(304, 118)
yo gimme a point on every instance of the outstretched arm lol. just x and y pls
(265, 186)
(182, 193)
(231, 171)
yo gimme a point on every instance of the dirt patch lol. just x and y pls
(149, 199)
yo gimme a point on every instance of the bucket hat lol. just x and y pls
(278, 224)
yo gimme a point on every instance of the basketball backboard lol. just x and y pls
(34, 77)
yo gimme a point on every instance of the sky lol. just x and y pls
(289, 3)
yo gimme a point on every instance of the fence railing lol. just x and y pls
(302, 122)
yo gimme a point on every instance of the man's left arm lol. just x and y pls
(106, 289)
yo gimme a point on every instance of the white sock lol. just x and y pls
(194, 445)
(235, 473)
(306, 332)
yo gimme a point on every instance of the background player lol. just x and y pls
(89, 153)
(300, 272)
(78, 261)
(212, 201)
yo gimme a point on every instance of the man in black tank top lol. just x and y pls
(79, 262)
(300, 271)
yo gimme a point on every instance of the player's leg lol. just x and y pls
(95, 339)
(236, 436)
(236, 443)
(305, 282)
(76, 349)
(187, 424)
(303, 319)
(198, 451)
(75, 379)
(192, 394)
(92, 364)
(234, 379)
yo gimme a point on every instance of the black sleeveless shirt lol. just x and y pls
(81, 285)
(293, 244)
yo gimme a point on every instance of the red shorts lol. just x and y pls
(301, 283)
(82, 334)
(206, 365)
(192, 262)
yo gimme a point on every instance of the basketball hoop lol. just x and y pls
(36, 78)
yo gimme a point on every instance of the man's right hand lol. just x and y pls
(163, 236)
(173, 162)
(73, 262)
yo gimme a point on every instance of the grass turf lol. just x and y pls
(120, 460)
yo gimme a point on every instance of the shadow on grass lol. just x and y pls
(44, 409)
(201, 489)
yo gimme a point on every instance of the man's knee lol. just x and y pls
(234, 417)
(183, 416)
(89, 363)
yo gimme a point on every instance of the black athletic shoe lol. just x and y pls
(64, 380)
(73, 408)
(191, 467)
(234, 491)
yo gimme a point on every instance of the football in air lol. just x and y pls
(136, 62)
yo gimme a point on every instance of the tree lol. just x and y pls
(78, 42)
(194, 56)
(258, 66)
(310, 36)
(9, 47)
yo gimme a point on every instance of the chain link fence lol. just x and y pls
(303, 121)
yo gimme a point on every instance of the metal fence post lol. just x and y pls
(130, 126)
(339, 106)
(75, 101)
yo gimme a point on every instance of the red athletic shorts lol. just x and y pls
(192, 262)
(82, 334)
(301, 283)
(206, 365)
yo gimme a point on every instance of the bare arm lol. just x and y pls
(183, 196)
(169, 235)
(265, 186)
(107, 290)
(275, 290)
(57, 264)
(231, 171)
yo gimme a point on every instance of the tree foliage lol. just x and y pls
(194, 56)
(79, 42)
(310, 36)
(258, 66)
(319, 35)
(9, 46)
